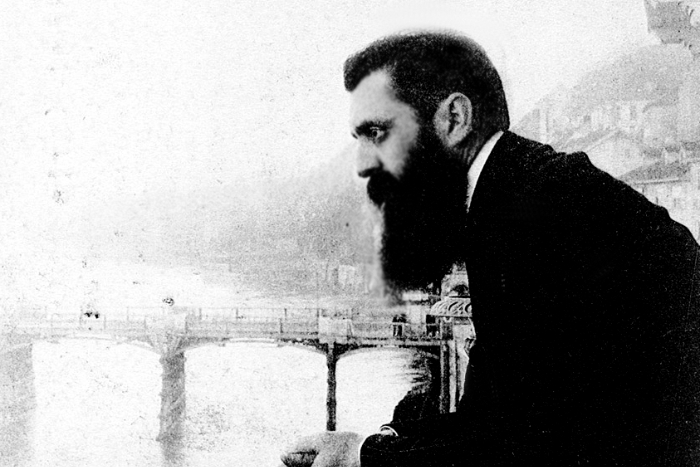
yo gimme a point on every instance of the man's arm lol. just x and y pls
(443, 440)
(439, 441)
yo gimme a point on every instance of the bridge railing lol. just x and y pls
(299, 326)
(226, 323)
(391, 330)
(222, 327)
(209, 313)
(205, 313)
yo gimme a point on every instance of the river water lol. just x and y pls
(97, 403)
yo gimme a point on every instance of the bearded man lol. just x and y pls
(586, 297)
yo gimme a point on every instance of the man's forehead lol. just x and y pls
(374, 99)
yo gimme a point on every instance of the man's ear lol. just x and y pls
(453, 119)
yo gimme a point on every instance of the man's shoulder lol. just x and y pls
(528, 173)
(525, 161)
(535, 154)
(513, 142)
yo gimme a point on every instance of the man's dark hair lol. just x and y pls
(426, 67)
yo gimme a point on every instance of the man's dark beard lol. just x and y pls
(424, 216)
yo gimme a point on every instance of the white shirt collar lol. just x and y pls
(478, 165)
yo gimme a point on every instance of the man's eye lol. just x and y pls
(376, 133)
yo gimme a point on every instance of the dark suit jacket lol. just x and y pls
(587, 314)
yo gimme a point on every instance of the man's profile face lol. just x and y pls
(419, 189)
(385, 127)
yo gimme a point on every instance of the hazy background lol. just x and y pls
(179, 133)
(200, 151)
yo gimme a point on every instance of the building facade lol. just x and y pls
(674, 183)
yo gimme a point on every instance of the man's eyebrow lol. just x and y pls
(363, 129)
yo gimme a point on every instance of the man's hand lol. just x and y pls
(327, 449)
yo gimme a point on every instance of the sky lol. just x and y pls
(121, 97)
(103, 102)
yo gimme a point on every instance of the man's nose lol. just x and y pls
(367, 161)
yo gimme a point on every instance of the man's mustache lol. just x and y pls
(380, 187)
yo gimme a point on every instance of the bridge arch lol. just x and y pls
(221, 342)
(247, 340)
(303, 345)
(409, 349)
(97, 337)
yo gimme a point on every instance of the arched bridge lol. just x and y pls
(171, 331)
(309, 326)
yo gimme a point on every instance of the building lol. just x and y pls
(611, 149)
(674, 183)
(548, 122)
(660, 123)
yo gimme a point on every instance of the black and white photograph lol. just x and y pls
(369, 233)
